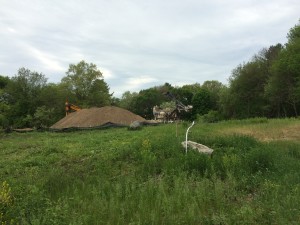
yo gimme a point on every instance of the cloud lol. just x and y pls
(134, 83)
(46, 60)
(174, 41)
(107, 74)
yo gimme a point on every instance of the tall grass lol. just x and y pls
(117, 176)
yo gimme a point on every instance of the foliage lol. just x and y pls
(268, 85)
(127, 100)
(212, 116)
(283, 87)
(27, 99)
(4, 102)
(23, 92)
(202, 102)
(294, 34)
(44, 117)
(53, 96)
(3, 81)
(248, 82)
(215, 88)
(84, 82)
(143, 103)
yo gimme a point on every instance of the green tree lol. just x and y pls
(44, 117)
(202, 103)
(215, 89)
(294, 34)
(145, 101)
(4, 101)
(53, 96)
(99, 94)
(247, 88)
(24, 91)
(186, 93)
(283, 88)
(3, 81)
(127, 100)
(247, 85)
(226, 105)
(85, 82)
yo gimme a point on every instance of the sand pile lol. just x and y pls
(97, 117)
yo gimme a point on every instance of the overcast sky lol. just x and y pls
(138, 44)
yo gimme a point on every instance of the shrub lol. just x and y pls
(211, 117)
(43, 117)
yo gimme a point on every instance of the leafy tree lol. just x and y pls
(3, 81)
(4, 101)
(294, 34)
(202, 103)
(115, 101)
(247, 85)
(165, 88)
(99, 94)
(192, 88)
(145, 101)
(215, 89)
(85, 82)
(283, 88)
(226, 104)
(127, 100)
(53, 96)
(186, 93)
(44, 117)
(24, 91)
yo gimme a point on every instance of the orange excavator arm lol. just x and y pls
(70, 107)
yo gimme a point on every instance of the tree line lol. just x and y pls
(268, 85)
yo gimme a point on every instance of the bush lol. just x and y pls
(43, 117)
(211, 117)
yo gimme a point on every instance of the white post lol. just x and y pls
(186, 136)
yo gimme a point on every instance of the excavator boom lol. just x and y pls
(163, 114)
(71, 108)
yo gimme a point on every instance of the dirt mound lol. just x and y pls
(98, 117)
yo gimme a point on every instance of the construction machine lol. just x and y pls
(71, 107)
(179, 105)
(170, 114)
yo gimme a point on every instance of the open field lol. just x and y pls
(116, 176)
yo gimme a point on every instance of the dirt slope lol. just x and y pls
(97, 117)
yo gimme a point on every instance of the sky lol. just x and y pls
(138, 44)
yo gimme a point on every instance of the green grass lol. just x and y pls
(116, 176)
